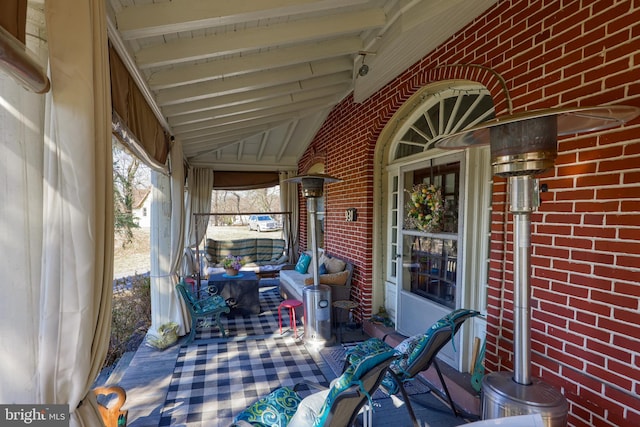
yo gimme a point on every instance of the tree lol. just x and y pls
(128, 177)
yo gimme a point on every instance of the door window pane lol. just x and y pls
(431, 268)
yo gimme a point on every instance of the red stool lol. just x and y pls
(191, 281)
(291, 304)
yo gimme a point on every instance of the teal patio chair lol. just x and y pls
(212, 306)
(338, 405)
(418, 353)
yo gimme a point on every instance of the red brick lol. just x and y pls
(618, 246)
(588, 58)
(591, 306)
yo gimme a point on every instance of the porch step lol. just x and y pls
(465, 397)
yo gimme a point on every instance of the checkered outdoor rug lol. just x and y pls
(213, 382)
(265, 323)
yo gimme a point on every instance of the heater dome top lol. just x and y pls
(572, 120)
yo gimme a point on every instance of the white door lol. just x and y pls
(430, 269)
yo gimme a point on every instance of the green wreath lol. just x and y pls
(425, 209)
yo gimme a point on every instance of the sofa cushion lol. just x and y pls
(268, 250)
(294, 281)
(253, 252)
(330, 279)
(334, 265)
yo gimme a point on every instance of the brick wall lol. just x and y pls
(586, 234)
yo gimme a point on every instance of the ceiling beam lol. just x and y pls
(230, 99)
(253, 115)
(209, 135)
(337, 71)
(217, 69)
(287, 33)
(287, 99)
(156, 19)
(294, 90)
(271, 121)
(286, 141)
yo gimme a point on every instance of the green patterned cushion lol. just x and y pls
(366, 348)
(353, 374)
(413, 346)
(273, 410)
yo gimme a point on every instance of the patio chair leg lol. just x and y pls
(219, 323)
(446, 390)
(192, 334)
(405, 397)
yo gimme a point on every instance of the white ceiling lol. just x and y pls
(245, 84)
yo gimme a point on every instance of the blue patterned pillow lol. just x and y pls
(273, 410)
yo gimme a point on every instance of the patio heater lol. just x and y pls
(316, 298)
(523, 146)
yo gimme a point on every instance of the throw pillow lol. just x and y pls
(335, 265)
(330, 279)
(303, 264)
(323, 257)
(322, 269)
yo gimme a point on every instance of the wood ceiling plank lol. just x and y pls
(341, 73)
(258, 114)
(264, 104)
(156, 19)
(288, 99)
(304, 30)
(194, 73)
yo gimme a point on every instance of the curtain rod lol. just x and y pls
(16, 61)
(243, 213)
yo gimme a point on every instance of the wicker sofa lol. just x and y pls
(260, 255)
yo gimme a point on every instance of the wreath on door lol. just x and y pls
(425, 209)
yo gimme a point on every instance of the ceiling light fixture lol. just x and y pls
(364, 68)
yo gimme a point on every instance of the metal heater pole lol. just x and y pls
(311, 205)
(523, 193)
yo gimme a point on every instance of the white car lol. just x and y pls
(263, 223)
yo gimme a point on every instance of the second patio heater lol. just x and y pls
(523, 146)
(317, 298)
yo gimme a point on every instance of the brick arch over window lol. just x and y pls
(479, 74)
(487, 77)
(317, 158)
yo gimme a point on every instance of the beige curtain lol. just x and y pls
(289, 203)
(176, 157)
(198, 200)
(21, 114)
(167, 240)
(76, 282)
